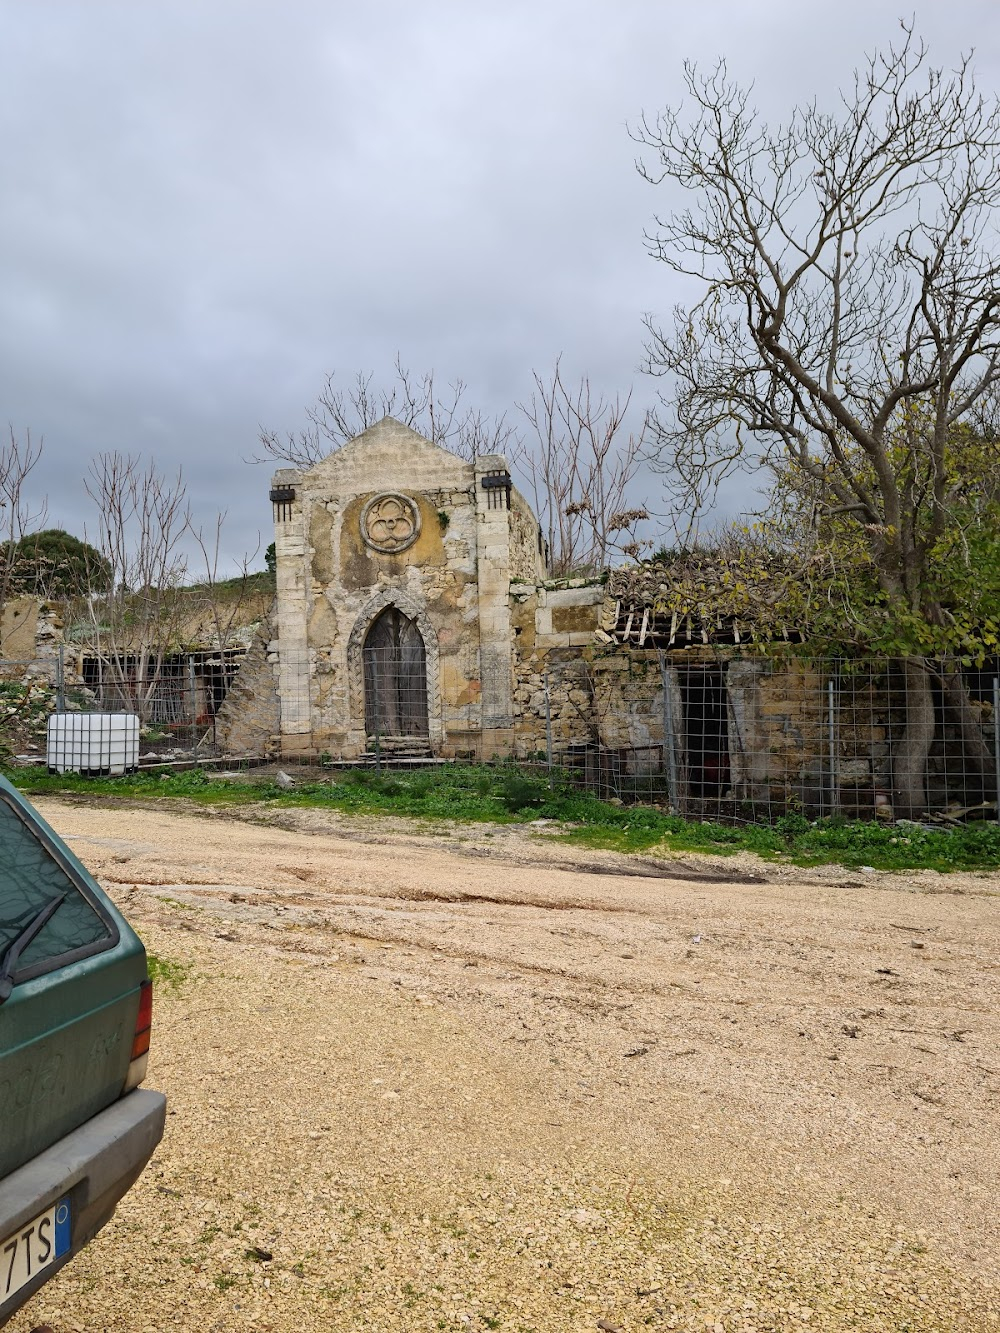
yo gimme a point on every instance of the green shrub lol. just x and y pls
(519, 793)
(790, 826)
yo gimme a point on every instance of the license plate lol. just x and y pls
(36, 1246)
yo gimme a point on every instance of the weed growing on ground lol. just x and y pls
(167, 972)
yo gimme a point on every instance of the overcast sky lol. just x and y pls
(206, 205)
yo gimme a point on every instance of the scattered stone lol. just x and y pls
(282, 780)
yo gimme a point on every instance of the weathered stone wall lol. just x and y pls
(249, 720)
(777, 728)
(527, 562)
(601, 694)
(31, 635)
(553, 625)
(19, 622)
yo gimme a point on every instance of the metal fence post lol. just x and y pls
(996, 737)
(61, 680)
(192, 692)
(375, 709)
(832, 722)
(548, 727)
(669, 753)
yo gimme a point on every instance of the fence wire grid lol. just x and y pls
(740, 739)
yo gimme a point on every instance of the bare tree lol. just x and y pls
(142, 519)
(222, 602)
(223, 599)
(18, 458)
(579, 462)
(849, 328)
(340, 414)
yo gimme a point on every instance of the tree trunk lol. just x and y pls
(980, 765)
(909, 765)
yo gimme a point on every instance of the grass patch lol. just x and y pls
(167, 972)
(504, 793)
(614, 839)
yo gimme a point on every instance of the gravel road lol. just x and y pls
(476, 1079)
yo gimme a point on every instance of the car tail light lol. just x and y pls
(140, 1042)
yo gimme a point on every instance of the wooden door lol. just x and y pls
(395, 677)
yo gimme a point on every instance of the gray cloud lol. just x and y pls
(206, 207)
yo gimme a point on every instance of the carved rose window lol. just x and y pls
(390, 523)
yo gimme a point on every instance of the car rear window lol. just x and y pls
(33, 871)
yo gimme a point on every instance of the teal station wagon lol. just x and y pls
(76, 1129)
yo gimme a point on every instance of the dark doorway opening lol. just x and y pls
(706, 731)
(395, 677)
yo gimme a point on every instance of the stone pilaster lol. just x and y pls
(291, 615)
(493, 576)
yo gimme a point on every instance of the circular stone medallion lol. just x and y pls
(390, 522)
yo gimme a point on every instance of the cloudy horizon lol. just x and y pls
(209, 207)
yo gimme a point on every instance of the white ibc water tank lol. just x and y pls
(93, 743)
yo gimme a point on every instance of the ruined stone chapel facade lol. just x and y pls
(397, 615)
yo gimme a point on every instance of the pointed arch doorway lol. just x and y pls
(395, 669)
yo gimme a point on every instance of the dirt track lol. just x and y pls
(555, 1088)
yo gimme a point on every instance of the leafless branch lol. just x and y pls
(580, 462)
(338, 415)
(142, 518)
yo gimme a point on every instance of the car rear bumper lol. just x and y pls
(94, 1166)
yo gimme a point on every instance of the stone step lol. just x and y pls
(400, 747)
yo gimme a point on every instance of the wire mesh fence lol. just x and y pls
(737, 738)
(175, 699)
(746, 739)
(909, 739)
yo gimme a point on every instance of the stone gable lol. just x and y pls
(391, 452)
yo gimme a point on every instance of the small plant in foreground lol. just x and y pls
(166, 972)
